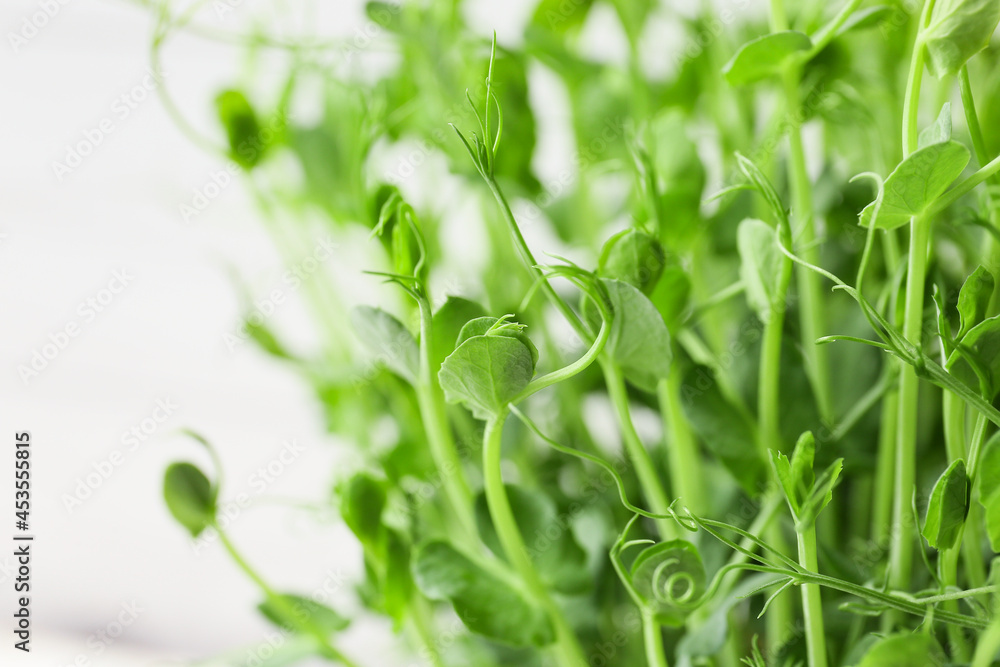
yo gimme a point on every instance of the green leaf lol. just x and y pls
(796, 475)
(243, 130)
(386, 338)
(723, 428)
(764, 56)
(486, 373)
(820, 496)
(487, 604)
(869, 17)
(989, 488)
(190, 497)
(916, 183)
(492, 326)
(939, 131)
(297, 610)
(559, 16)
(672, 295)
(670, 577)
(397, 584)
(362, 501)
(760, 264)
(982, 344)
(633, 257)
(905, 650)
(948, 507)
(447, 323)
(958, 30)
(974, 299)
(639, 340)
(560, 560)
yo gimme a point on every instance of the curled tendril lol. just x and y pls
(765, 559)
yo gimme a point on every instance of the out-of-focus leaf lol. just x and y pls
(633, 257)
(487, 604)
(447, 323)
(918, 649)
(723, 429)
(958, 30)
(639, 339)
(294, 610)
(561, 562)
(764, 56)
(391, 342)
(190, 497)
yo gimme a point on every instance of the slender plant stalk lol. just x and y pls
(812, 320)
(567, 646)
(653, 641)
(649, 479)
(988, 645)
(439, 434)
(885, 468)
(903, 533)
(420, 619)
(686, 470)
(779, 616)
(812, 604)
(282, 605)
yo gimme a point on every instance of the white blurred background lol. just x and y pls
(106, 550)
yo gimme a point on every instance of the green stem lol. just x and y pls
(281, 604)
(885, 468)
(439, 436)
(964, 187)
(779, 616)
(653, 641)
(812, 604)
(988, 645)
(812, 321)
(421, 622)
(644, 467)
(529, 261)
(567, 646)
(901, 546)
(686, 474)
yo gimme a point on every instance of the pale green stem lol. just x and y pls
(901, 546)
(421, 620)
(686, 473)
(655, 654)
(439, 435)
(567, 645)
(288, 612)
(812, 604)
(644, 467)
(812, 321)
